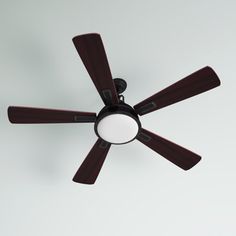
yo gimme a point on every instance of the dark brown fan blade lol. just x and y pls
(196, 83)
(91, 166)
(29, 115)
(176, 154)
(93, 55)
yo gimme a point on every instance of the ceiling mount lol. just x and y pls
(120, 85)
(118, 122)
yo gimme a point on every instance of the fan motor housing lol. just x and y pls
(117, 124)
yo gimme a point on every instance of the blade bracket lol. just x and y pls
(103, 144)
(144, 137)
(107, 96)
(146, 108)
(85, 119)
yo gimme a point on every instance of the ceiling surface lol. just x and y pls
(151, 44)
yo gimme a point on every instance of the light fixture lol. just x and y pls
(117, 124)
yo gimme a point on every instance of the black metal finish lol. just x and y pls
(121, 108)
(120, 85)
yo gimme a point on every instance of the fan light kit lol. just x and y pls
(117, 128)
(118, 122)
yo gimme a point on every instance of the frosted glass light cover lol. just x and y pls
(117, 128)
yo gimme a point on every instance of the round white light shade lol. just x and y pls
(117, 128)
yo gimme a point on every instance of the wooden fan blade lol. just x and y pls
(174, 153)
(91, 166)
(30, 115)
(93, 55)
(194, 84)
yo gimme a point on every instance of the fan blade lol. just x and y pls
(91, 166)
(174, 153)
(93, 55)
(196, 83)
(24, 115)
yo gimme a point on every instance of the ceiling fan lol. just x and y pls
(118, 122)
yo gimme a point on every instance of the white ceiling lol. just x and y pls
(151, 44)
